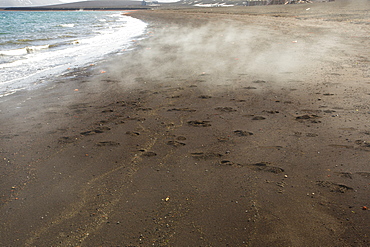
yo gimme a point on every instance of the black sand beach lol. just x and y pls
(225, 127)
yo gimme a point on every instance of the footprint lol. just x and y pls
(106, 111)
(258, 118)
(266, 166)
(242, 133)
(225, 109)
(334, 187)
(223, 139)
(297, 134)
(148, 153)
(304, 117)
(340, 146)
(362, 143)
(227, 163)
(271, 112)
(108, 143)
(197, 123)
(67, 139)
(329, 111)
(175, 143)
(259, 81)
(182, 109)
(261, 166)
(205, 97)
(174, 97)
(98, 130)
(344, 174)
(205, 156)
(311, 135)
(132, 133)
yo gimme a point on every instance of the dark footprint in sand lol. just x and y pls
(182, 109)
(329, 111)
(197, 123)
(108, 143)
(132, 133)
(272, 112)
(205, 97)
(344, 174)
(242, 133)
(223, 139)
(312, 118)
(95, 131)
(225, 109)
(249, 88)
(227, 163)
(106, 111)
(340, 146)
(362, 143)
(205, 156)
(86, 133)
(259, 81)
(311, 135)
(334, 187)
(175, 143)
(102, 122)
(174, 97)
(147, 153)
(297, 134)
(67, 139)
(304, 117)
(266, 166)
(258, 118)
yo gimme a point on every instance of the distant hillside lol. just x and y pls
(100, 4)
(86, 5)
(26, 3)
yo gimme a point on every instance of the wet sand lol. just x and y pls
(235, 128)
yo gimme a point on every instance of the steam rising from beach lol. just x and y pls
(221, 50)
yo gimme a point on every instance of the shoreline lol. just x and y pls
(29, 65)
(245, 130)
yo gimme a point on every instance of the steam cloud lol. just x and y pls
(223, 50)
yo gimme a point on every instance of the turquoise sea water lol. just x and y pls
(38, 45)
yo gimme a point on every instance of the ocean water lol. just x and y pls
(35, 46)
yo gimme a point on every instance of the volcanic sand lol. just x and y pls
(224, 127)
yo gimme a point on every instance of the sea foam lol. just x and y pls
(52, 51)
